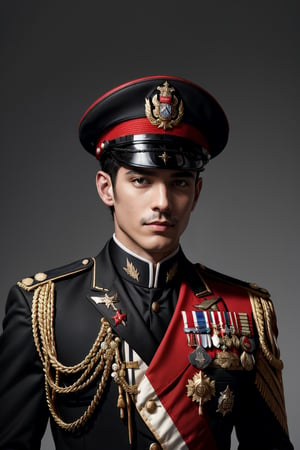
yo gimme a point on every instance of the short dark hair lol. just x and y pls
(111, 166)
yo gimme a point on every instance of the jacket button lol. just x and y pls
(41, 276)
(27, 281)
(155, 307)
(155, 446)
(151, 408)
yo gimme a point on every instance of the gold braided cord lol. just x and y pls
(90, 409)
(268, 312)
(97, 363)
(268, 377)
(45, 317)
(264, 316)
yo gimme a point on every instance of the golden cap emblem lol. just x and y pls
(164, 109)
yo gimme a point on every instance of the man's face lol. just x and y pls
(152, 207)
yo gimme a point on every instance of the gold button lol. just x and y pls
(155, 307)
(155, 446)
(27, 281)
(40, 276)
(85, 262)
(151, 406)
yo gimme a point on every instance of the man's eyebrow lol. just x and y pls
(183, 174)
(177, 174)
(140, 172)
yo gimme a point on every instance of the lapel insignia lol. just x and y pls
(164, 109)
(119, 318)
(172, 272)
(131, 270)
(109, 301)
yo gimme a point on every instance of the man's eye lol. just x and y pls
(139, 181)
(181, 183)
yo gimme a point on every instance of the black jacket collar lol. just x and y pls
(108, 295)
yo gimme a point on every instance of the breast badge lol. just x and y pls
(225, 401)
(201, 389)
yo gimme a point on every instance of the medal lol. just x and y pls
(199, 358)
(245, 325)
(201, 389)
(227, 360)
(247, 344)
(225, 402)
(229, 331)
(227, 323)
(215, 337)
(247, 361)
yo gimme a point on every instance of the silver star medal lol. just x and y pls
(107, 300)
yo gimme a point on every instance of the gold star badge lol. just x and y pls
(201, 389)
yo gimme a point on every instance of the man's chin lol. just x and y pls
(162, 248)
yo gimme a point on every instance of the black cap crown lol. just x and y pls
(156, 121)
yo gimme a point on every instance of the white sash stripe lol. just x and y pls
(159, 421)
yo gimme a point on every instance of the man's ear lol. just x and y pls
(105, 188)
(198, 188)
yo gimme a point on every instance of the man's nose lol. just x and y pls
(160, 197)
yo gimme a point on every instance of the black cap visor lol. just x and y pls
(151, 151)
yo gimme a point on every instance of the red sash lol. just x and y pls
(169, 373)
(170, 368)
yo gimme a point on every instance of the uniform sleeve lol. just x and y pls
(256, 425)
(263, 421)
(23, 408)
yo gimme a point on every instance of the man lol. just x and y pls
(138, 348)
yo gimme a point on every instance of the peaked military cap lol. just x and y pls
(156, 121)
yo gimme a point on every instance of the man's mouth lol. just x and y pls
(159, 225)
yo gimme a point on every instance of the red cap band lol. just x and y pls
(143, 126)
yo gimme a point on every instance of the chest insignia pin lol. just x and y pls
(109, 301)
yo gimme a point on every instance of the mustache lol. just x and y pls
(165, 216)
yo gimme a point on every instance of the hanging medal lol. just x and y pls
(215, 337)
(199, 358)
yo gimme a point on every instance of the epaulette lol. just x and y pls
(252, 287)
(30, 283)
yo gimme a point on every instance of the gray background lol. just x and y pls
(58, 57)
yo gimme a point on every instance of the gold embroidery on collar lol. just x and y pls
(131, 270)
(172, 272)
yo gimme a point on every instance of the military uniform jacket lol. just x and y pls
(122, 358)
